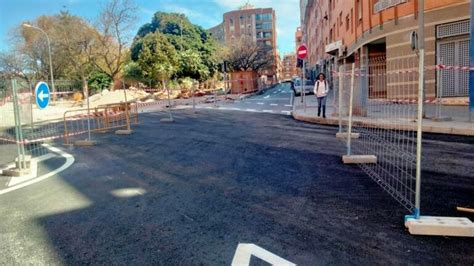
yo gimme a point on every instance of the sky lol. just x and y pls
(206, 13)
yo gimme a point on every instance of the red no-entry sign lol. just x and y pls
(302, 52)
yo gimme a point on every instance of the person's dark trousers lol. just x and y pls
(322, 105)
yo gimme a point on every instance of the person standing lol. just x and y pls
(321, 90)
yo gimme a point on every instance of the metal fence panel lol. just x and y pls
(383, 122)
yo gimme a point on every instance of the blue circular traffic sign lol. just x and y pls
(42, 95)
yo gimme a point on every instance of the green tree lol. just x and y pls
(133, 72)
(157, 57)
(98, 81)
(197, 57)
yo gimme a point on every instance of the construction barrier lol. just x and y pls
(380, 120)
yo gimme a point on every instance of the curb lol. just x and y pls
(426, 128)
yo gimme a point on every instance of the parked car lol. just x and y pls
(297, 88)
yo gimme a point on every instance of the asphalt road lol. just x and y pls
(276, 100)
(189, 192)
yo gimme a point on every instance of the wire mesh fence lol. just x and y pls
(378, 108)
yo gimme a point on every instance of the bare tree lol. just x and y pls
(114, 24)
(245, 54)
(13, 64)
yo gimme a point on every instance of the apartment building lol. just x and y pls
(289, 69)
(338, 31)
(256, 23)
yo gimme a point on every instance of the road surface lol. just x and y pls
(187, 193)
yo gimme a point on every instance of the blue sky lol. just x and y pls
(206, 13)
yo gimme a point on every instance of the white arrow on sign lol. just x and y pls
(43, 95)
(244, 253)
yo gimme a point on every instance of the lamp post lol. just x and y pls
(26, 25)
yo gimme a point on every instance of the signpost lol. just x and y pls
(471, 72)
(42, 95)
(302, 53)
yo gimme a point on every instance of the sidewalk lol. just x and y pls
(459, 125)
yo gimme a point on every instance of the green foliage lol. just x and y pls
(197, 51)
(132, 71)
(187, 83)
(98, 81)
(157, 58)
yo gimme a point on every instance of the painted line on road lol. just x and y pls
(260, 103)
(69, 161)
(288, 105)
(251, 110)
(244, 253)
(286, 112)
(33, 170)
(267, 111)
(266, 97)
(264, 100)
(274, 104)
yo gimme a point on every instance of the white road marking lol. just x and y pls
(260, 103)
(33, 170)
(267, 111)
(288, 105)
(244, 253)
(275, 92)
(274, 104)
(67, 164)
(266, 97)
(250, 110)
(286, 112)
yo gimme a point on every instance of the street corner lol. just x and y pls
(18, 175)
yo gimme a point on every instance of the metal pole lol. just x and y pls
(18, 129)
(169, 100)
(421, 78)
(51, 67)
(339, 108)
(127, 117)
(302, 81)
(471, 71)
(351, 99)
(194, 100)
(32, 100)
(439, 92)
(89, 116)
(49, 53)
(334, 87)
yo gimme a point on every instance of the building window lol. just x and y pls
(267, 35)
(348, 23)
(231, 21)
(359, 11)
(264, 26)
(267, 16)
(352, 20)
(340, 19)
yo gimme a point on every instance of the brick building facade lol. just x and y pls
(358, 30)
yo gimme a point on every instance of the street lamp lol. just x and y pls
(26, 25)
